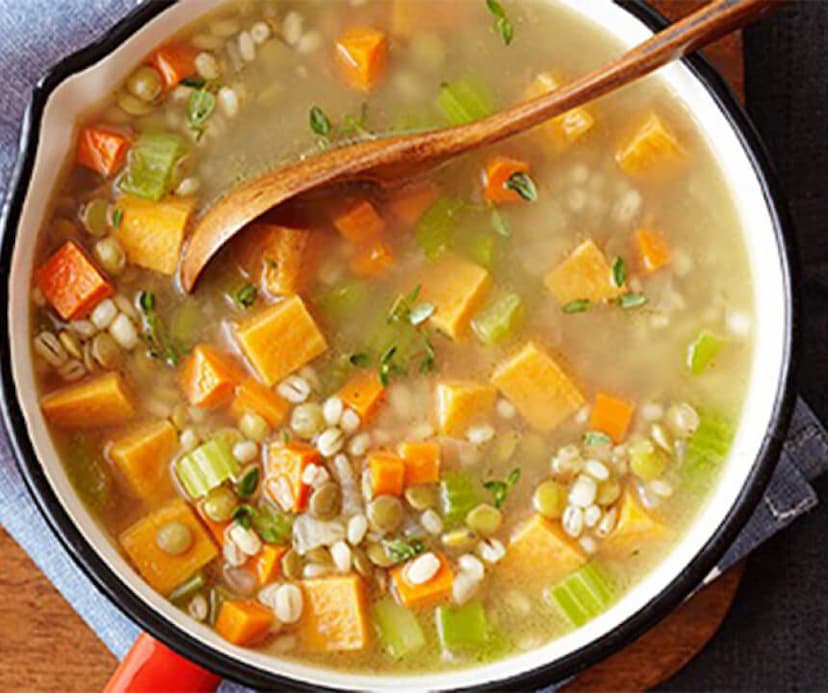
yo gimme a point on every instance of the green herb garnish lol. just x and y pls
(502, 25)
(500, 225)
(117, 217)
(159, 342)
(249, 482)
(401, 550)
(619, 272)
(200, 105)
(596, 438)
(522, 183)
(577, 306)
(320, 124)
(272, 526)
(500, 488)
(632, 300)
(244, 515)
(246, 296)
(285, 437)
(194, 82)
(359, 359)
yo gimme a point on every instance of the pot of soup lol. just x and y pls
(476, 432)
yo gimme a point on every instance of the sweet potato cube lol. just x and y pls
(284, 468)
(242, 623)
(363, 392)
(71, 282)
(276, 257)
(387, 473)
(533, 381)
(427, 594)
(422, 463)
(334, 618)
(611, 415)
(372, 260)
(411, 202)
(209, 377)
(565, 129)
(461, 404)
(359, 222)
(362, 54)
(102, 400)
(584, 275)
(252, 396)
(143, 456)
(280, 339)
(151, 232)
(455, 287)
(636, 527)
(267, 563)
(653, 151)
(653, 250)
(540, 553)
(162, 571)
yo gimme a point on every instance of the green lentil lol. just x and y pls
(174, 538)
(422, 496)
(484, 519)
(384, 513)
(549, 499)
(220, 504)
(292, 565)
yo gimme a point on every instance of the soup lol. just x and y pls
(405, 431)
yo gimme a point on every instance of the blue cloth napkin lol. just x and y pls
(35, 34)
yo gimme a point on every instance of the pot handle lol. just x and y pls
(150, 666)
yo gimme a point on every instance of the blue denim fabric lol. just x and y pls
(35, 34)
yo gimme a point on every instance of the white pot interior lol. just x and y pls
(74, 96)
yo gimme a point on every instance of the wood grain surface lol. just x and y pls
(45, 646)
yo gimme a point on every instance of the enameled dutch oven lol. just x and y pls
(84, 78)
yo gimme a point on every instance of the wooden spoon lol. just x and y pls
(386, 162)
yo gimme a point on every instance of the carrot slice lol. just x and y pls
(611, 415)
(364, 393)
(267, 563)
(252, 396)
(422, 463)
(426, 594)
(243, 622)
(285, 467)
(362, 54)
(653, 250)
(101, 149)
(498, 171)
(175, 62)
(387, 473)
(71, 283)
(359, 222)
(373, 260)
(209, 378)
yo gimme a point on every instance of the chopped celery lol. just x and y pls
(463, 628)
(708, 447)
(185, 322)
(343, 300)
(582, 595)
(271, 525)
(152, 160)
(209, 465)
(458, 495)
(703, 350)
(188, 588)
(465, 100)
(479, 246)
(500, 320)
(647, 461)
(433, 232)
(408, 120)
(86, 470)
(398, 628)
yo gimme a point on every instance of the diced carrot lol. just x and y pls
(101, 149)
(362, 54)
(652, 151)
(411, 18)
(102, 400)
(422, 463)
(498, 171)
(151, 232)
(174, 61)
(359, 222)
(585, 275)
(427, 594)
(143, 456)
(275, 256)
(653, 250)
(372, 260)
(267, 563)
(386, 472)
(252, 396)
(280, 339)
(216, 529)
(363, 392)
(243, 622)
(611, 415)
(410, 203)
(164, 572)
(334, 618)
(285, 466)
(71, 282)
(209, 377)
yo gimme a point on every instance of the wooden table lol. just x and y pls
(45, 646)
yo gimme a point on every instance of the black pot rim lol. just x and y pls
(172, 634)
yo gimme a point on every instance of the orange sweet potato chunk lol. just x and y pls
(422, 463)
(429, 593)
(362, 54)
(565, 129)
(387, 473)
(277, 257)
(209, 377)
(584, 275)
(252, 396)
(636, 528)
(242, 623)
(653, 152)
(143, 456)
(267, 563)
(359, 222)
(455, 287)
(364, 393)
(334, 618)
(71, 283)
(284, 468)
(280, 339)
(102, 400)
(411, 202)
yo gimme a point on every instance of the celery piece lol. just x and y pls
(463, 628)
(206, 467)
(434, 230)
(398, 628)
(272, 526)
(187, 588)
(185, 322)
(465, 100)
(582, 595)
(152, 160)
(458, 495)
(480, 246)
(703, 350)
(500, 320)
(343, 301)
(411, 121)
(708, 447)
(87, 471)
